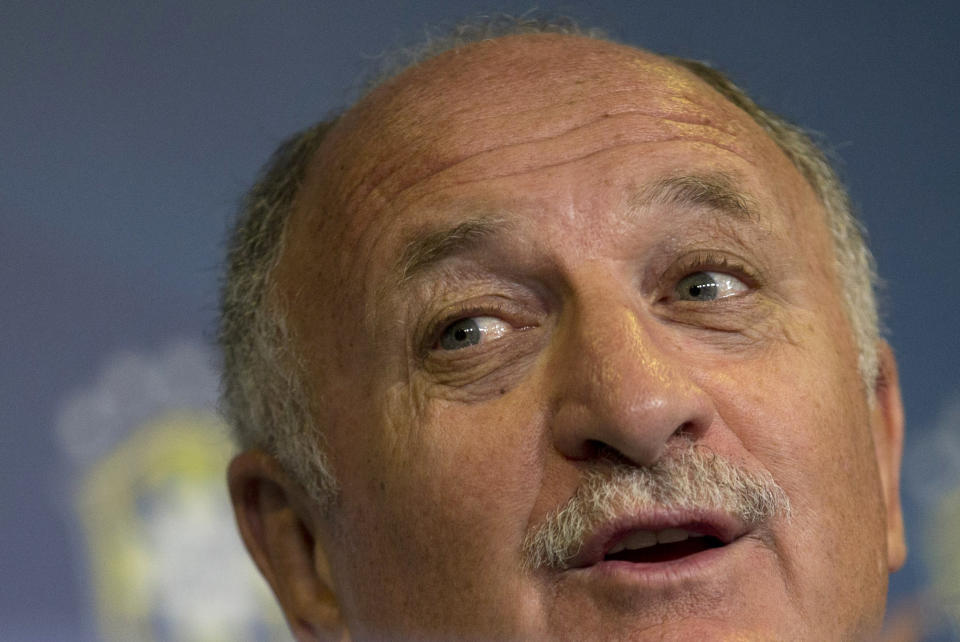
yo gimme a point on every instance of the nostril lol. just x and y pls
(688, 430)
(634, 431)
(607, 453)
(594, 448)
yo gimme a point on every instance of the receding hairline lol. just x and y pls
(411, 78)
(433, 76)
(352, 126)
(260, 363)
(717, 190)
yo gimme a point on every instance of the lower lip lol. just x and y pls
(698, 566)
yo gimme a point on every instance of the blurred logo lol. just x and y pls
(164, 558)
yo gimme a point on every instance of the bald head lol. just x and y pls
(439, 118)
(528, 262)
(517, 88)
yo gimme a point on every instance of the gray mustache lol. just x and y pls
(687, 476)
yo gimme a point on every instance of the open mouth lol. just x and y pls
(649, 547)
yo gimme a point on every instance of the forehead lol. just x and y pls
(506, 92)
(505, 108)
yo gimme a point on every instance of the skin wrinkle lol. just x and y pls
(764, 450)
(657, 190)
(780, 458)
(556, 116)
(456, 278)
(375, 190)
(456, 284)
(403, 204)
(427, 248)
(465, 165)
(403, 207)
(475, 473)
(454, 130)
(379, 162)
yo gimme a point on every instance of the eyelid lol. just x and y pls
(721, 280)
(450, 316)
(499, 328)
(708, 261)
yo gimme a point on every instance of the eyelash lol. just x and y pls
(701, 261)
(437, 328)
(711, 262)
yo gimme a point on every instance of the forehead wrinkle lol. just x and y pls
(662, 130)
(415, 188)
(442, 145)
(642, 100)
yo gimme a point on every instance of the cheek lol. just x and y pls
(476, 464)
(799, 409)
(802, 416)
(438, 523)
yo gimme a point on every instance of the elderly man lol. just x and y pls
(549, 337)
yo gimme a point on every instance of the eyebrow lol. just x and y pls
(716, 191)
(426, 250)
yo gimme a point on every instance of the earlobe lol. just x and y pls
(888, 430)
(277, 526)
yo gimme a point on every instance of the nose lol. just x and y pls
(617, 386)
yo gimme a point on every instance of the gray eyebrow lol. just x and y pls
(427, 249)
(716, 191)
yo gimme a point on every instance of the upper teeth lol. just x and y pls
(646, 539)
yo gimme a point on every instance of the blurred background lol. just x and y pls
(130, 130)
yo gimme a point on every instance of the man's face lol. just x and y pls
(520, 263)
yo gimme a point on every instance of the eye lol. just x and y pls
(471, 331)
(708, 286)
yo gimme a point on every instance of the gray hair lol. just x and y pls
(263, 395)
(687, 477)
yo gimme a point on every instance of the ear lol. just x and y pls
(277, 522)
(887, 420)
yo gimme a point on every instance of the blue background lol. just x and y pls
(128, 131)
